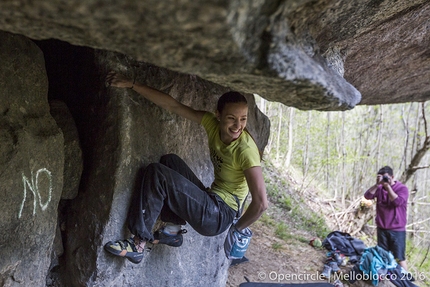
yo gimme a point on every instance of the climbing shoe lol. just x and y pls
(326, 271)
(162, 237)
(125, 248)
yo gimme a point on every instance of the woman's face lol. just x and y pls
(232, 121)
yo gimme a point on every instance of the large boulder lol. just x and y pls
(48, 242)
(31, 164)
(61, 241)
(73, 162)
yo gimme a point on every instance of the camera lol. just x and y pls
(385, 178)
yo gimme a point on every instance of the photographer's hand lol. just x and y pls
(391, 194)
(379, 179)
(373, 188)
(385, 185)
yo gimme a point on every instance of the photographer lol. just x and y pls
(391, 217)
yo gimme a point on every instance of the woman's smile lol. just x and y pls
(232, 121)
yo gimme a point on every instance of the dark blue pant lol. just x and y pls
(394, 241)
(172, 191)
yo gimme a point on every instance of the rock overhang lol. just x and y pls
(281, 50)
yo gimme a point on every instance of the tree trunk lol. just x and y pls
(379, 138)
(290, 138)
(406, 139)
(343, 160)
(363, 167)
(270, 141)
(328, 152)
(413, 210)
(305, 160)
(263, 105)
(278, 138)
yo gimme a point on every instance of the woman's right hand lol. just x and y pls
(118, 80)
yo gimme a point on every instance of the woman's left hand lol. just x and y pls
(115, 79)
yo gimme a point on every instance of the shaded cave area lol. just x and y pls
(74, 79)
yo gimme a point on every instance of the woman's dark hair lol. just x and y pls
(230, 97)
(386, 169)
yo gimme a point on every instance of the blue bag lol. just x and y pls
(236, 243)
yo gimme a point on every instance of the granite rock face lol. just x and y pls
(31, 165)
(323, 55)
(132, 132)
(63, 125)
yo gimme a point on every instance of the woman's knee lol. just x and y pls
(152, 169)
(173, 161)
(168, 158)
(211, 229)
(208, 232)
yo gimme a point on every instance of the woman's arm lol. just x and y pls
(255, 180)
(161, 99)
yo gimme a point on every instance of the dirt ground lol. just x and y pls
(274, 260)
(293, 262)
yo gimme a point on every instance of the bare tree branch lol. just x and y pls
(425, 257)
(414, 164)
(419, 167)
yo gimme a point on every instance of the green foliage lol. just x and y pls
(273, 191)
(298, 213)
(282, 231)
(267, 220)
(310, 221)
(317, 225)
(276, 245)
(419, 256)
(303, 239)
(286, 203)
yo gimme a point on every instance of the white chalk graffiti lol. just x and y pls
(33, 185)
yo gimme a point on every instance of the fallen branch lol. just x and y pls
(407, 230)
(337, 219)
(412, 224)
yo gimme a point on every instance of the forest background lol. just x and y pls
(341, 152)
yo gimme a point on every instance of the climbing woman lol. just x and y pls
(170, 189)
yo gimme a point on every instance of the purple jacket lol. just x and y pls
(391, 214)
